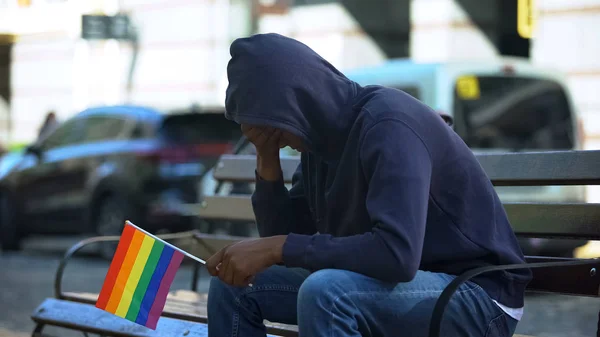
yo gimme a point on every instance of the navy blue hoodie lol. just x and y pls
(386, 187)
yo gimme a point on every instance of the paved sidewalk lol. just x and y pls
(7, 333)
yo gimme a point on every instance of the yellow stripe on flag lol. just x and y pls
(134, 277)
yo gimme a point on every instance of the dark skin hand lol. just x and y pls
(238, 263)
(267, 142)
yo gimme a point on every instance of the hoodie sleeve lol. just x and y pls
(397, 166)
(279, 211)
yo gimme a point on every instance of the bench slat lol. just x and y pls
(555, 220)
(504, 169)
(208, 244)
(571, 280)
(241, 167)
(189, 306)
(542, 220)
(542, 168)
(233, 207)
(88, 318)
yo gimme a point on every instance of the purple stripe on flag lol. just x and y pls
(157, 276)
(163, 290)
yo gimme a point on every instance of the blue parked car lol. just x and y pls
(109, 164)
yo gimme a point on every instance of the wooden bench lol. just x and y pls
(184, 313)
(578, 277)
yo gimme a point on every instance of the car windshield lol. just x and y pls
(199, 128)
(413, 91)
(513, 113)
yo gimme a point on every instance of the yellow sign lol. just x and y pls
(467, 87)
(526, 18)
(7, 38)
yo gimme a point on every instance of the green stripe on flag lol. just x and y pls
(142, 286)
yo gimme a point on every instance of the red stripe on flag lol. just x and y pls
(163, 290)
(132, 252)
(115, 266)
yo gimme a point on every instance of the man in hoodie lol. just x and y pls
(387, 206)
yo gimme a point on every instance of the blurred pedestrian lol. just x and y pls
(387, 206)
(49, 124)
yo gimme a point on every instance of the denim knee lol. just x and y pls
(321, 288)
(226, 299)
(220, 295)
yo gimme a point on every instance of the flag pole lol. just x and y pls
(195, 258)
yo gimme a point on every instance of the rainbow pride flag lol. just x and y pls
(139, 277)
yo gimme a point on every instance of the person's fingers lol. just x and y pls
(282, 141)
(229, 274)
(240, 269)
(245, 128)
(251, 132)
(213, 262)
(254, 135)
(221, 270)
(224, 270)
(239, 275)
(275, 137)
(263, 138)
(249, 280)
(272, 141)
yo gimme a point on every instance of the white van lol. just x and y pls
(501, 105)
(506, 104)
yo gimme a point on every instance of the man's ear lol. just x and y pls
(447, 118)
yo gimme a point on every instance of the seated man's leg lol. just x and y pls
(235, 311)
(343, 303)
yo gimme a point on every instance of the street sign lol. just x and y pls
(118, 27)
(104, 27)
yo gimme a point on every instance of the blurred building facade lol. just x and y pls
(183, 47)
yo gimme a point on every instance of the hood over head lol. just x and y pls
(280, 82)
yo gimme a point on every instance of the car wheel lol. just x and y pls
(110, 217)
(10, 238)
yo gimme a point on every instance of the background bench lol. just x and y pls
(529, 219)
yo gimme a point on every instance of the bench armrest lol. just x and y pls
(58, 293)
(444, 299)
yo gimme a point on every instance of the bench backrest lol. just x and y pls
(504, 169)
(533, 219)
(528, 219)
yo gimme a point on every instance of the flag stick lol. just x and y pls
(195, 258)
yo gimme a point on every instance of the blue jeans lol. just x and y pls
(342, 303)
